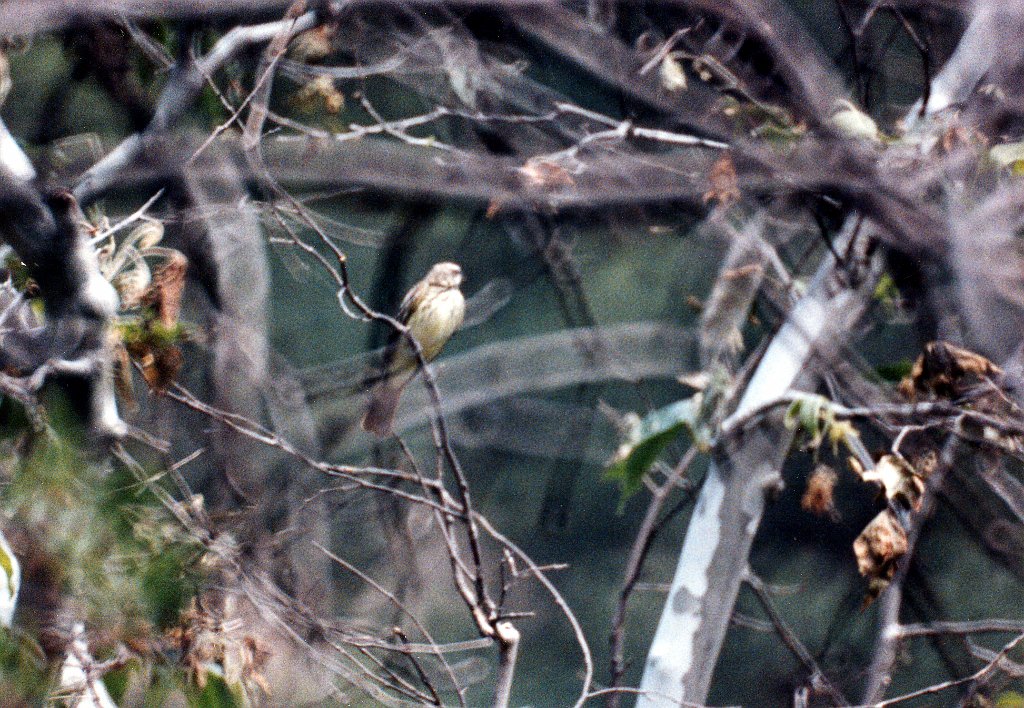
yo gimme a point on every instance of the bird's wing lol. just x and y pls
(415, 294)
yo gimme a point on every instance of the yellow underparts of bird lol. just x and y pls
(432, 310)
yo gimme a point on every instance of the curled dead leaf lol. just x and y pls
(947, 371)
(164, 294)
(724, 186)
(542, 173)
(818, 497)
(882, 542)
(898, 479)
(161, 369)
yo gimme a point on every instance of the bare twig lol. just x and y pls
(634, 564)
(435, 650)
(818, 680)
(978, 675)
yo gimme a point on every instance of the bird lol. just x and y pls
(432, 310)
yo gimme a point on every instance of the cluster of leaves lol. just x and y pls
(96, 542)
(148, 331)
(815, 417)
(645, 439)
(884, 540)
(96, 545)
(942, 372)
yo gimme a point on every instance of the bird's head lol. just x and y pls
(445, 275)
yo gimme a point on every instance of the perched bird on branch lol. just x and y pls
(432, 310)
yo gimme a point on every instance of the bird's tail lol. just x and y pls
(381, 408)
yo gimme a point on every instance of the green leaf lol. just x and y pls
(216, 694)
(812, 415)
(886, 290)
(895, 371)
(648, 437)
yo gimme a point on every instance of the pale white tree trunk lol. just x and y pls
(713, 560)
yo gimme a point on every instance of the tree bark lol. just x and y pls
(682, 657)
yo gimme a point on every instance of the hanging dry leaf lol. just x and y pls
(882, 542)
(160, 368)
(165, 292)
(947, 371)
(898, 479)
(147, 234)
(314, 45)
(541, 173)
(724, 186)
(818, 497)
(970, 380)
(123, 376)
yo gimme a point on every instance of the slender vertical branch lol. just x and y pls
(634, 564)
(508, 651)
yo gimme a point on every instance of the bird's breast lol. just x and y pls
(436, 319)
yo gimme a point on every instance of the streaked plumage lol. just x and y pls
(433, 309)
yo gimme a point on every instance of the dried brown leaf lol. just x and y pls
(898, 479)
(724, 186)
(882, 542)
(947, 371)
(818, 496)
(164, 294)
(160, 365)
(541, 173)
(164, 370)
